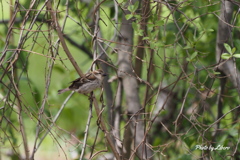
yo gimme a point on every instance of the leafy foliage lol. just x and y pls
(187, 101)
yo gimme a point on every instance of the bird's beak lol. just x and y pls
(104, 74)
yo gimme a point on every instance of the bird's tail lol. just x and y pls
(63, 90)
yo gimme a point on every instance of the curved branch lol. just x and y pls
(61, 37)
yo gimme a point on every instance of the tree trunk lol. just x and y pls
(130, 86)
(223, 36)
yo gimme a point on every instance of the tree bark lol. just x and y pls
(223, 36)
(140, 50)
(130, 87)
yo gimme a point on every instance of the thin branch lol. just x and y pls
(219, 119)
(183, 103)
(87, 127)
(61, 37)
(105, 130)
(81, 47)
(54, 120)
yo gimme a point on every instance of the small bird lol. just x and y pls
(85, 85)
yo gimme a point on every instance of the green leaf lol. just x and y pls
(120, 1)
(152, 45)
(209, 30)
(155, 33)
(130, 8)
(159, 44)
(128, 16)
(145, 38)
(236, 55)
(228, 48)
(201, 33)
(216, 73)
(233, 50)
(194, 55)
(140, 32)
(135, 26)
(133, 8)
(137, 16)
(150, 25)
(159, 23)
(187, 47)
(225, 56)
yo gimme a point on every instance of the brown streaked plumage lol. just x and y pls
(92, 81)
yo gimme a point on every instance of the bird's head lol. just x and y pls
(99, 74)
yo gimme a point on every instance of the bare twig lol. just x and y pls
(183, 103)
(219, 119)
(61, 37)
(49, 128)
(87, 127)
(105, 130)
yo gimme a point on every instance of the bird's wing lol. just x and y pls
(77, 83)
(80, 81)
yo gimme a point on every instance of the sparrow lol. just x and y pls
(87, 84)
